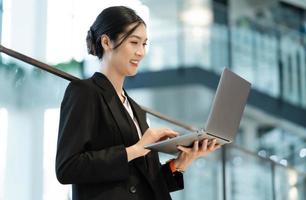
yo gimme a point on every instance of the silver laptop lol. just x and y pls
(223, 120)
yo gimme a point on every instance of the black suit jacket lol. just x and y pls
(94, 131)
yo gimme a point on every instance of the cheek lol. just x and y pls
(121, 58)
(121, 62)
(125, 53)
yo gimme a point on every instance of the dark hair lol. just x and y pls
(111, 21)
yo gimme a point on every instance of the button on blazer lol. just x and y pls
(94, 131)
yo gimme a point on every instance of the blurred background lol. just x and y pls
(190, 42)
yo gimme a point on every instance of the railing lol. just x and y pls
(231, 153)
(69, 77)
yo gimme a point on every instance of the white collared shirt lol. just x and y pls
(128, 107)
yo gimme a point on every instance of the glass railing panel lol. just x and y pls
(289, 153)
(203, 179)
(289, 184)
(247, 176)
(29, 106)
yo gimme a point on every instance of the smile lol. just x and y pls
(134, 62)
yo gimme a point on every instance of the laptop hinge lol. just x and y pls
(218, 137)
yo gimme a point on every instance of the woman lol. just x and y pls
(103, 132)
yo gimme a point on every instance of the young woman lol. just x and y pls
(102, 131)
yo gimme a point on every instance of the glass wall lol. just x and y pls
(275, 64)
(272, 58)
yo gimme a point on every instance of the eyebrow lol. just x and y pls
(138, 37)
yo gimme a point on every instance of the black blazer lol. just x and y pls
(94, 131)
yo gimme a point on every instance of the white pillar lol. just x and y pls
(24, 159)
(28, 27)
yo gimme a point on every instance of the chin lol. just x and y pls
(132, 73)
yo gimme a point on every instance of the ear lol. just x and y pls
(106, 43)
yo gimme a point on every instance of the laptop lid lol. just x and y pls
(228, 105)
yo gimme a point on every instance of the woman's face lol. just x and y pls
(126, 58)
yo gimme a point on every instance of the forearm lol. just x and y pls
(92, 166)
(135, 151)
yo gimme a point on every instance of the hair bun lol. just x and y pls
(90, 40)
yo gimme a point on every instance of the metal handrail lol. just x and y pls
(70, 77)
(250, 153)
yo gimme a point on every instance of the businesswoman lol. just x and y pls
(102, 131)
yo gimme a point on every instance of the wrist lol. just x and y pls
(178, 165)
(175, 166)
(181, 164)
(134, 151)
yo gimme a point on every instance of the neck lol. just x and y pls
(114, 77)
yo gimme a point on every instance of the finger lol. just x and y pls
(195, 147)
(204, 145)
(212, 145)
(174, 134)
(183, 149)
(163, 138)
(164, 134)
(170, 132)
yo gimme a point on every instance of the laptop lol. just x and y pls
(224, 118)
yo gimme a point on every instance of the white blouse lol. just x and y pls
(128, 107)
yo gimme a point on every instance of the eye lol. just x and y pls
(144, 44)
(134, 42)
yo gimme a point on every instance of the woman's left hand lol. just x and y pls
(199, 149)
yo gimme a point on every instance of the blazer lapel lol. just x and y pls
(116, 107)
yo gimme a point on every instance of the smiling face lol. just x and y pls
(126, 58)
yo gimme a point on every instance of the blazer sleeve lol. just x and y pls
(74, 164)
(174, 181)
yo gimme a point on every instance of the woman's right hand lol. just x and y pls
(150, 136)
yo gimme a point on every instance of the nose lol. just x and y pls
(140, 51)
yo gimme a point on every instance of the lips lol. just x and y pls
(134, 62)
